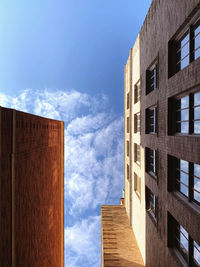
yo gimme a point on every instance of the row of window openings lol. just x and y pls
(183, 176)
(183, 114)
(137, 92)
(186, 50)
(178, 237)
(137, 181)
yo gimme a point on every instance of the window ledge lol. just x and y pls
(192, 205)
(153, 175)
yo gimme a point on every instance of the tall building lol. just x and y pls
(31, 190)
(162, 135)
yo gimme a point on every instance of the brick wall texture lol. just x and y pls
(31, 190)
(119, 246)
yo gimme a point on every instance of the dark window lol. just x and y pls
(151, 156)
(179, 238)
(187, 120)
(137, 122)
(151, 204)
(128, 173)
(151, 78)
(186, 176)
(137, 184)
(137, 153)
(128, 101)
(127, 146)
(151, 120)
(137, 92)
(184, 50)
(128, 124)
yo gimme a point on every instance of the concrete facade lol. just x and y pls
(165, 22)
(31, 190)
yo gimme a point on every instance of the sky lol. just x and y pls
(65, 60)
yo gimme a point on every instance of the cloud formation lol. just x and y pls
(93, 162)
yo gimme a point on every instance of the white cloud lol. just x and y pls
(93, 162)
(81, 243)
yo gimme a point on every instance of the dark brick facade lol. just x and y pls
(31, 190)
(165, 20)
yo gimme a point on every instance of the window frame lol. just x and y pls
(136, 124)
(173, 121)
(148, 117)
(154, 68)
(173, 47)
(148, 162)
(137, 185)
(137, 92)
(137, 150)
(152, 212)
(174, 181)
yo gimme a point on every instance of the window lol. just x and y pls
(151, 204)
(187, 110)
(127, 148)
(151, 156)
(151, 125)
(137, 122)
(128, 124)
(183, 52)
(128, 173)
(179, 239)
(137, 89)
(137, 184)
(196, 41)
(127, 101)
(137, 153)
(185, 49)
(151, 78)
(186, 176)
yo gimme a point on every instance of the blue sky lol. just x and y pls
(65, 59)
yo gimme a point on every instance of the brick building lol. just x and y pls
(31, 190)
(162, 135)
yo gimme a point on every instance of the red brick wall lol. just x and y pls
(37, 190)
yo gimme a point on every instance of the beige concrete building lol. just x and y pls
(162, 138)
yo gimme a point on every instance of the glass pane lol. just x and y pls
(184, 165)
(182, 115)
(197, 252)
(184, 178)
(197, 113)
(184, 189)
(197, 41)
(197, 30)
(184, 102)
(197, 170)
(197, 99)
(197, 127)
(197, 54)
(184, 62)
(185, 40)
(184, 238)
(197, 187)
(185, 51)
(184, 127)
